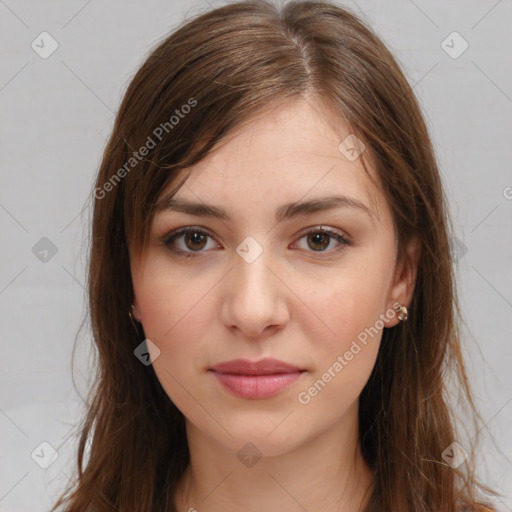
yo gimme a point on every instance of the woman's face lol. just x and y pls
(269, 278)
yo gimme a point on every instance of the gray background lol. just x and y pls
(56, 116)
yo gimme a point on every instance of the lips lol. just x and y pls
(262, 367)
(256, 379)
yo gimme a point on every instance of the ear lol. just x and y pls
(404, 282)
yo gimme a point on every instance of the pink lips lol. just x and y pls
(256, 379)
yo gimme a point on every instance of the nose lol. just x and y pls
(255, 297)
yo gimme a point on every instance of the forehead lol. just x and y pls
(293, 152)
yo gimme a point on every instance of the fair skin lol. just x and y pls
(301, 301)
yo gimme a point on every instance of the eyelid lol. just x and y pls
(176, 233)
(323, 228)
(186, 229)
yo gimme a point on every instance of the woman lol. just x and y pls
(271, 287)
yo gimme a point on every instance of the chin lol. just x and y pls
(267, 438)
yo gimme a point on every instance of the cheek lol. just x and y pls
(171, 302)
(175, 319)
(347, 305)
(177, 313)
(344, 358)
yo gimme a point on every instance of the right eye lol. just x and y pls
(191, 240)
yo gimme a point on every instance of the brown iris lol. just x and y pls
(321, 239)
(198, 240)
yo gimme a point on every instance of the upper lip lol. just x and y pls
(266, 366)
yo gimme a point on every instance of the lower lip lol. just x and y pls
(256, 386)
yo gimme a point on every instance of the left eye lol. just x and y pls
(319, 239)
(194, 240)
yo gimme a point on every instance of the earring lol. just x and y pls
(401, 312)
(132, 319)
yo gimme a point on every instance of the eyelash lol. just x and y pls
(171, 237)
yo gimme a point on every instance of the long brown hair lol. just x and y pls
(217, 72)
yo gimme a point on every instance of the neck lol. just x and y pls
(325, 473)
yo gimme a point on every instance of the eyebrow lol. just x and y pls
(284, 212)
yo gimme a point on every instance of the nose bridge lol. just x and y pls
(253, 279)
(252, 293)
(253, 276)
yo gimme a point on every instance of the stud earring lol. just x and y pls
(401, 312)
(132, 319)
